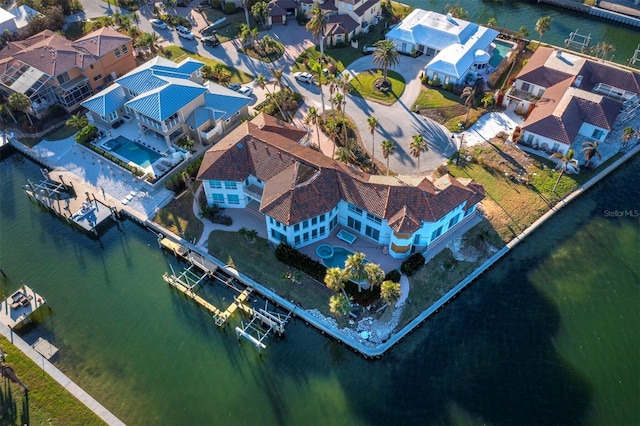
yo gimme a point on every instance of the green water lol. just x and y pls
(551, 335)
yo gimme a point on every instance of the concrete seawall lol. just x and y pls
(595, 11)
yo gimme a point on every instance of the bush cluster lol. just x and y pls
(412, 264)
(176, 184)
(229, 8)
(292, 257)
(214, 213)
(86, 134)
(175, 20)
(393, 276)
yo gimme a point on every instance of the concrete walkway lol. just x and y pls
(59, 377)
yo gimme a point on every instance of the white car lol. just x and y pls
(246, 91)
(304, 77)
(184, 33)
(158, 24)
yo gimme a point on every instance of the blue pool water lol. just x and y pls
(134, 152)
(339, 257)
(499, 53)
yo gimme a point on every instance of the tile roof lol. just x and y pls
(107, 101)
(101, 41)
(596, 72)
(301, 183)
(365, 6)
(340, 24)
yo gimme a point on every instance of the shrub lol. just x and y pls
(175, 20)
(86, 134)
(448, 87)
(292, 257)
(229, 8)
(393, 276)
(412, 264)
(216, 4)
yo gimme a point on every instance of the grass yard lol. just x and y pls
(176, 54)
(229, 30)
(273, 55)
(363, 85)
(258, 261)
(178, 217)
(445, 108)
(58, 134)
(47, 403)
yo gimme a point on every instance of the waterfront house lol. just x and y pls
(51, 70)
(460, 50)
(280, 11)
(304, 195)
(12, 21)
(345, 18)
(169, 100)
(568, 98)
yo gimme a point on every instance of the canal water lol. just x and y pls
(515, 14)
(550, 335)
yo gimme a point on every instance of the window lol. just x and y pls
(132, 93)
(111, 117)
(218, 198)
(305, 224)
(314, 221)
(215, 184)
(322, 217)
(597, 134)
(436, 233)
(466, 213)
(526, 87)
(314, 233)
(374, 218)
(305, 237)
(322, 230)
(230, 185)
(454, 220)
(118, 54)
(297, 239)
(233, 199)
(296, 227)
(278, 236)
(97, 77)
(333, 223)
(355, 209)
(353, 223)
(372, 233)
(416, 240)
(125, 50)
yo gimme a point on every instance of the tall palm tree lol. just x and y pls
(565, 161)
(354, 267)
(469, 96)
(339, 101)
(335, 279)
(262, 83)
(492, 22)
(77, 121)
(590, 150)
(332, 129)
(20, 102)
(312, 118)
(542, 26)
(316, 68)
(339, 304)
(343, 154)
(316, 26)
(375, 275)
(487, 99)
(390, 292)
(388, 148)
(372, 122)
(385, 56)
(627, 134)
(416, 147)
(343, 84)
(277, 74)
(605, 48)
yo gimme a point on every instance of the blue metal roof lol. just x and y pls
(142, 81)
(201, 115)
(107, 101)
(160, 104)
(230, 104)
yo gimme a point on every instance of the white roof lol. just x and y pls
(23, 14)
(5, 16)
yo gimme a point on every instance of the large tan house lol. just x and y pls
(50, 69)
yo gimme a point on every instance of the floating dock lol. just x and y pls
(16, 310)
(45, 348)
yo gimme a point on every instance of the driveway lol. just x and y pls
(94, 9)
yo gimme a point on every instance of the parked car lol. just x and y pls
(304, 77)
(206, 4)
(182, 4)
(246, 91)
(184, 32)
(157, 23)
(234, 86)
(210, 40)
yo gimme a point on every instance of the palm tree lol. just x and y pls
(605, 48)
(375, 275)
(339, 102)
(487, 99)
(332, 129)
(627, 134)
(492, 22)
(20, 102)
(77, 121)
(316, 26)
(385, 56)
(342, 83)
(523, 32)
(312, 118)
(590, 150)
(316, 67)
(388, 148)
(416, 147)
(339, 304)
(565, 160)
(343, 154)
(277, 74)
(542, 26)
(469, 96)
(355, 268)
(390, 292)
(262, 83)
(335, 279)
(372, 122)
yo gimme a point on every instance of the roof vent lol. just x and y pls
(578, 81)
(239, 145)
(450, 18)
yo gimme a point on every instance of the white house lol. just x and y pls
(460, 49)
(304, 195)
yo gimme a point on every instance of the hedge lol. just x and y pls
(292, 257)
(412, 264)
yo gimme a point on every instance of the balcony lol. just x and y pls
(522, 95)
(253, 191)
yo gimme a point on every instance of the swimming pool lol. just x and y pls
(500, 52)
(133, 152)
(338, 258)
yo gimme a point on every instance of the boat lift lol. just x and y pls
(578, 41)
(262, 323)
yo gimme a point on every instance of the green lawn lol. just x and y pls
(435, 98)
(47, 403)
(259, 262)
(446, 108)
(363, 85)
(178, 217)
(58, 134)
(176, 54)
(229, 30)
(276, 54)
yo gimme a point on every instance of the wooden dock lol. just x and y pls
(16, 310)
(177, 248)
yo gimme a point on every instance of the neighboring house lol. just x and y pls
(281, 10)
(460, 49)
(51, 70)
(345, 18)
(7, 21)
(568, 97)
(23, 15)
(169, 100)
(304, 195)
